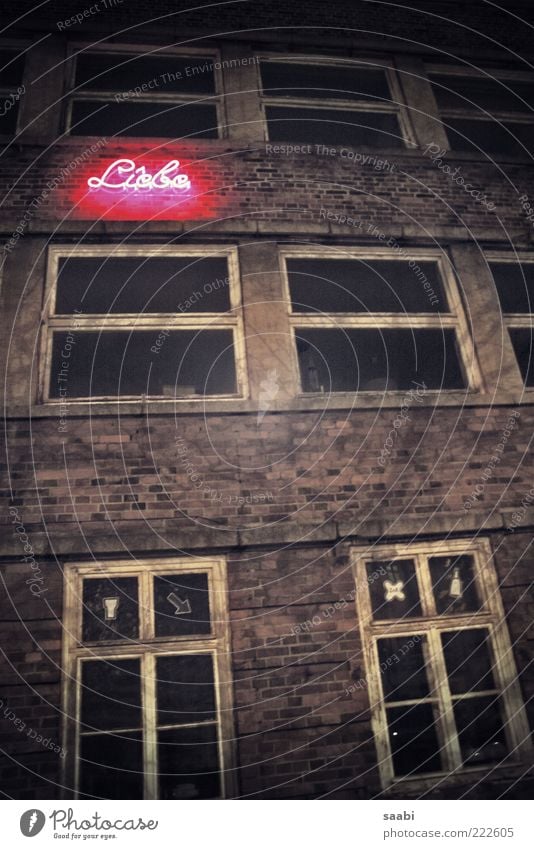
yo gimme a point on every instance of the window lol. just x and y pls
(515, 286)
(11, 88)
(155, 93)
(333, 102)
(439, 666)
(156, 321)
(488, 112)
(148, 700)
(363, 321)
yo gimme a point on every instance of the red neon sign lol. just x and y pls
(147, 185)
(124, 174)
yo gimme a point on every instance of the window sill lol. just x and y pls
(512, 770)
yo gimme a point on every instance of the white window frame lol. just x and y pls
(511, 320)
(429, 623)
(398, 106)
(454, 319)
(217, 644)
(230, 320)
(502, 117)
(151, 96)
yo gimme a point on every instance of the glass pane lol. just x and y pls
(403, 668)
(8, 120)
(393, 588)
(364, 286)
(163, 119)
(333, 126)
(181, 604)
(111, 694)
(479, 726)
(185, 689)
(512, 139)
(468, 660)
(490, 94)
(454, 585)
(157, 73)
(110, 609)
(522, 343)
(171, 364)
(143, 285)
(11, 68)
(111, 766)
(515, 285)
(283, 79)
(347, 360)
(189, 763)
(413, 739)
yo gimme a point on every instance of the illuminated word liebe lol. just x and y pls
(124, 174)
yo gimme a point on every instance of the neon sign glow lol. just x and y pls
(124, 174)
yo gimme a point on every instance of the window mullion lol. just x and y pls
(149, 726)
(425, 585)
(447, 727)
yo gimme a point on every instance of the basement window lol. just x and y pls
(490, 112)
(515, 286)
(158, 93)
(11, 88)
(366, 322)
(439, 664)
(149, 712)
(156, 322)
(334, 102)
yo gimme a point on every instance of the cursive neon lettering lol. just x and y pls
(124, 174)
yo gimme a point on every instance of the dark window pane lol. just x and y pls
(345, 360)
(143, 285)
(393, 587)
(186, 363)
(185, 691)
(489, 137)
(282, 79)
(353, 285)
(522, 342)
(11, 69)
(111, 694)
(453, 582)
(111, 766)
(474, 93)
(515, 285)
(8, 119)
(479, 726)
(189, 763)
(157, 73)
(181, 120)
(110, 609)
(333, 126)
(413, 739)
(402, 667)
(181, 604)
(468, 660)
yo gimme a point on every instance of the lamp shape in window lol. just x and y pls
(457, 585)
(111, 608)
